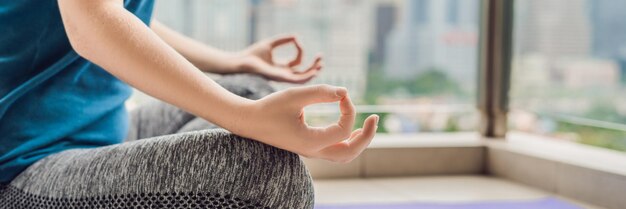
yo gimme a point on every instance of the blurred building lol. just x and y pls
(435, 34)
(553, 47)
(609, 31)
(609, 27)
(386, 18)
(223, 24)
(175, 14)
(589, 74)
(530, 74)
(554, 28)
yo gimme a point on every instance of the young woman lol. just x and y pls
(65, 67)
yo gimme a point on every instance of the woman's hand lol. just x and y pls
(258, 59)
(278, 120)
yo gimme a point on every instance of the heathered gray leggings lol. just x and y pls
(185, 169)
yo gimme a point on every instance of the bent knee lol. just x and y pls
(203, 162)
(246, 168)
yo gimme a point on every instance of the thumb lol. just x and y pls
(314, 94)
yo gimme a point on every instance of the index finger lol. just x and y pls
(308, 95)
(290, 39)
(346, 119)
(340, 130)
(282, 40)
(296, 61)
(346, 151)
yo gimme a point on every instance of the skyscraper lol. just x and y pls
(608, 21)
(386, 15)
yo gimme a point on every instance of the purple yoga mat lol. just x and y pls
(547, 203)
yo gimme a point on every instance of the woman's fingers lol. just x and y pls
(341, 130)
(298, 59)
(355, 133)
(307, 95)
(277, 74)
(360, 141)
(348, 150)
(348, 113)
(282, 40)
(302, 78)
(335, 142)
(287, 72)
(316, 65)
(301, 97)
(292, 76)
(284, 74)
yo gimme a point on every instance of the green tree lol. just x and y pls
(360, 118)
(605, 110)
(432, 82)
(429, 83)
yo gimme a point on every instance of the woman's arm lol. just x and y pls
(204, 57)
(105, 33)
(255, 59)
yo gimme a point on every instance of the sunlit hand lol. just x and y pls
(278, 120)
(258, 59)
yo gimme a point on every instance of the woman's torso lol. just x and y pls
(51, 99)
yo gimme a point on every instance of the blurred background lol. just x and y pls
(414, 62)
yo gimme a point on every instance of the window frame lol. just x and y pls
(495, 55)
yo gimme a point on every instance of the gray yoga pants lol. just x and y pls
(178, 163)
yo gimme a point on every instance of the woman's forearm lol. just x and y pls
(105, 33)
(205, 57)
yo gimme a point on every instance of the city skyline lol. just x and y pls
(351, 34)
(407, 38)
(568, 57)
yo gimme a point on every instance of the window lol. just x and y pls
(412, 62)
(569, 70)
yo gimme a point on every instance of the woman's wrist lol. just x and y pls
(242, 62)
(232, 62)
(243, 114)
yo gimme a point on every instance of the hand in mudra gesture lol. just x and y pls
(258, 59)
(284, 110)
(285, 127)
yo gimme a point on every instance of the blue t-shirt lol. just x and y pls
(51, 99)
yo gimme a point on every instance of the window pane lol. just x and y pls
(411, 61)
(568, 70)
